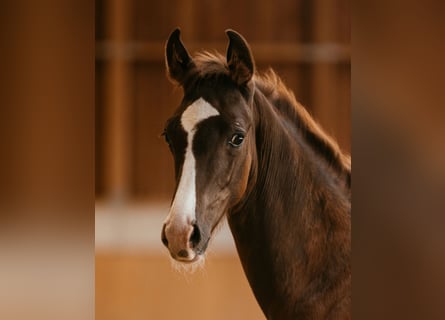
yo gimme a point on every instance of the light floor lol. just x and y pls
(141, 286)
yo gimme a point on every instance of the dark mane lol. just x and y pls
(284, 100)
(273, 88)
(211, 63)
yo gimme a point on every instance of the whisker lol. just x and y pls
(188, 268)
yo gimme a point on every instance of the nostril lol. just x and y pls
(195, 236)
(183, 254)
(164, 237)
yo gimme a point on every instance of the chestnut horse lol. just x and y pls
(244, 148)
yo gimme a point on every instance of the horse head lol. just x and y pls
(211, 137)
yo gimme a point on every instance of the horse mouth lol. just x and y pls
(195, 259)
(198, 254)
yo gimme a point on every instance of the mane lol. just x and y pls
(284, 101)
(211, 63)
(273, 88)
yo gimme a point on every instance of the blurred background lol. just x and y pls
(306, 42)
(50, 60)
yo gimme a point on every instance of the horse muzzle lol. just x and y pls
(183, 240)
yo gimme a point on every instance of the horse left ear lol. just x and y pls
(239, 58)
(178, 61)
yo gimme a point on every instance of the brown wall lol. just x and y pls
(306, 42)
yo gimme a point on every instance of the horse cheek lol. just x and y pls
(242, 177)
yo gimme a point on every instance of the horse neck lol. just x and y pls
(287, 166)
(293, 153)
(294, 211)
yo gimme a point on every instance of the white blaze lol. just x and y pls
(184, 203)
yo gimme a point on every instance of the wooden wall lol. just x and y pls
(305, 41)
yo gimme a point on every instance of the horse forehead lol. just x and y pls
(198, 111)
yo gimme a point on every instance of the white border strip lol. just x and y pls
(137, 228)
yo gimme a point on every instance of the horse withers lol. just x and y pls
(244, 148)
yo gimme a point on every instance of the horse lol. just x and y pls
(244, 148)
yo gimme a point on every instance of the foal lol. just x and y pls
(245, 148)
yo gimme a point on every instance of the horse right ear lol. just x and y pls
(239, 58)
(177, 59)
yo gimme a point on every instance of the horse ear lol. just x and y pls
(239, 58)
(177, 59)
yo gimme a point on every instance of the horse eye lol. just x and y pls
(236, 140)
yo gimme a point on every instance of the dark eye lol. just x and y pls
(236, 140)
